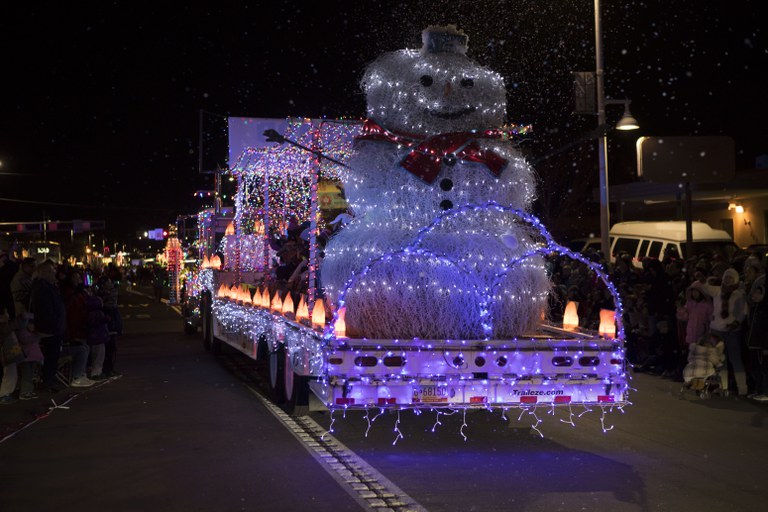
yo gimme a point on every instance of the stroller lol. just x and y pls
(706, 359)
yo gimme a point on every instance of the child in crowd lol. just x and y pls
(704, 358)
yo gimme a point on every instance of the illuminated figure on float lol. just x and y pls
(434, 143)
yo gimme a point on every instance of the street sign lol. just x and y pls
(585, 93)
(706, 159)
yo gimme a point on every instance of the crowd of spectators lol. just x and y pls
(672, 305)
(51, 314)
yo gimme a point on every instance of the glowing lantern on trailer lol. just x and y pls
(277, 304)
(571, 316)
(288, 306)
(607, 327)
(302, 311)
(318, 315)
(340, 329)
(265, 298)
(245, 295)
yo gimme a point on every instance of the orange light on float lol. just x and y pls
(340, 329)
(222, 292)
(571, 316)
(245, 295)
(607, 327)
(288, 306)
(276, 305)
(206, 262)
(265, 298)
(302, 311)
(318, 315)
(230, 229)
(215, 262)
(234, 292)
(257, 297)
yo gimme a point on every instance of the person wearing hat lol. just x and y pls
(730, 311)
(757, 332)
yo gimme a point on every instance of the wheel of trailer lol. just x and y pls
(277, 363)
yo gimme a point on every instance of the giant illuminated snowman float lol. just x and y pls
(432, 145)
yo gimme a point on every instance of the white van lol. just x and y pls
(656, 239)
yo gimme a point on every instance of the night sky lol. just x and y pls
(100, 104)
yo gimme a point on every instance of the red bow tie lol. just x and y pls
(426, 155)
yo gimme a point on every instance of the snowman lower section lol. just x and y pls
(447, 287)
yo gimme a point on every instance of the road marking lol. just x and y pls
(371, 489)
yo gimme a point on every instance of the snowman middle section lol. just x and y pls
(449, 287)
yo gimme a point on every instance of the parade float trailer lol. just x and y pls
(435, 295)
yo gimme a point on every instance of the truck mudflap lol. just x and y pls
(550, 367)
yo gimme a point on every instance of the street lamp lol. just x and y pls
(627, 122)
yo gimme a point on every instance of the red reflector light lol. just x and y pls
(605, 398)
(335, 360)
(589, 361)
(386, 401)
(478, 399)
(345, 401)
(528, 399)
(562, 399)
(562, 361)
(617, 361)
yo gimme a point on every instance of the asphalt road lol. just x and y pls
(184, 430)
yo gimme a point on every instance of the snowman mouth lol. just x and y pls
(451, 114)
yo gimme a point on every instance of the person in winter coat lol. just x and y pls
(757, 339)
(47, 306)
(703, 359)
(730, 311)
(33, 356)
(97, 335)
(696, 313)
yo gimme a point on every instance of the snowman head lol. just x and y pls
(435, 90)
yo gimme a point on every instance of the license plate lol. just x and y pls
(432, 394)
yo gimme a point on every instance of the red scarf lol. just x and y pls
(426, 155)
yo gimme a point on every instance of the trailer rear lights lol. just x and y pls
(562, 399)
(387, 401)
(394, 361)
(335, 360)
(478, 399)
(562, 361)
(605, 398)
(528, 399)
(479, 361)
(617, 361)
(366, 361)
(589, 361)
(345, 401)
(501, 361)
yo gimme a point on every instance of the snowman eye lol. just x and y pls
(467, 82)
(426, 80)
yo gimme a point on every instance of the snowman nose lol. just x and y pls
(447, 89)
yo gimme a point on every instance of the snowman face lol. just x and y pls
(433, 93)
